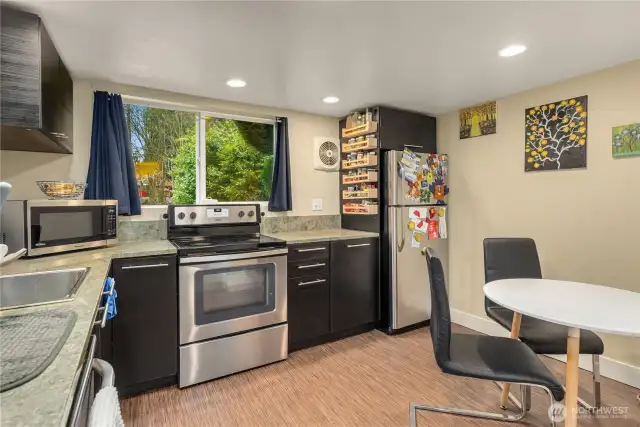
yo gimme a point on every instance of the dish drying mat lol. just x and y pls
(30, 342)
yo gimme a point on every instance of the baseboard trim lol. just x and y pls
(610, 368)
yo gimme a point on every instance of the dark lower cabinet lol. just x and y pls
(308, 313)
(354, 283)
(332, 290)
(145, 330)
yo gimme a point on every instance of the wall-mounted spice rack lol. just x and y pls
(370, 193)
(368, 160)
(368, 143)
(354, 209)
(360, 178)
(360, 149)
(363, 129)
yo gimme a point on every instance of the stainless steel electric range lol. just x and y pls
(232, 291)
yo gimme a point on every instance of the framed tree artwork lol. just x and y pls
(556, 135)
(626, 140)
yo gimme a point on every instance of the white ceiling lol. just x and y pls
(432, 57)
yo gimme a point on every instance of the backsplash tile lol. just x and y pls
(138, 231)
(277, 224)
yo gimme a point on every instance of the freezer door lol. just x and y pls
(410, 287)
(431, 189)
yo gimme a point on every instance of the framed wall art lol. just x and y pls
(479, 120)
(556, 135)
(625, 140)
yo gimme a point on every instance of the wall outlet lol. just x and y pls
(316, 204)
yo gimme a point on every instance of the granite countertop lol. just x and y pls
(47, 399)
(293, 237)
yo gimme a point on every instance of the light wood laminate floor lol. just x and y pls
(366, 380)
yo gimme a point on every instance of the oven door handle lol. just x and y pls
(232, 257)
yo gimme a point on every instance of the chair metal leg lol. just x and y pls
(596, 387)
(470, 413)
(515, 400)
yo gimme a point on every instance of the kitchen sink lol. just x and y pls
(44, 287)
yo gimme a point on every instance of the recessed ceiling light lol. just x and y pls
(331, 99)
(236, 83)
(512, 50)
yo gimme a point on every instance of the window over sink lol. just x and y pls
(185, 157)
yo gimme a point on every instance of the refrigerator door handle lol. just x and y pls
(401, 233)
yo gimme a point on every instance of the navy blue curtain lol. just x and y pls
(280, 199)
(111, 175)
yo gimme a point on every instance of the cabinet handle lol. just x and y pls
(113, 286)
(311, 250)
(312, 265)
(84, 381)
(312, 282)
(359, 245)
(102, 323)
(133, 267)
(413, 146)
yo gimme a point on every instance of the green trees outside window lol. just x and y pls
(238, 164)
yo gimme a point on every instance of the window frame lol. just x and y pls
(200, 119)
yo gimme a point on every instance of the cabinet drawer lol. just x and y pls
(306, 251)
(308, 267)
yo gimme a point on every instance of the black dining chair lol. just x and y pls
(517, 258)
(480, 356)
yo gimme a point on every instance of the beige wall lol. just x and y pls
(586, 222)
(22, 169)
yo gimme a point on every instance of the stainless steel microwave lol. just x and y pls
(46, 227)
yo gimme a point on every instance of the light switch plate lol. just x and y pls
(316, 204)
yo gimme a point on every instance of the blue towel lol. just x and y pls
(110, 302)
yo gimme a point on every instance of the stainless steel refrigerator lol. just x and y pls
(415, 216)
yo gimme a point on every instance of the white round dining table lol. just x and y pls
(572, 304)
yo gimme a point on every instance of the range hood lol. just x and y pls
(36, 91)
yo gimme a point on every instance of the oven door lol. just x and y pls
(228, 294)
(58, 227)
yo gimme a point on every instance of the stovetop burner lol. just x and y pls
(206, 245)
(202, 230)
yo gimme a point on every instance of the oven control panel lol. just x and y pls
(193, 215)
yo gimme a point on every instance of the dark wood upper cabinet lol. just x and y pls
(399, 129)
(36, 90)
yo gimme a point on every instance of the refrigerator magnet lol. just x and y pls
(432, 229)
(421, 226)
(442, 227)
(415, 240)
(418, 213)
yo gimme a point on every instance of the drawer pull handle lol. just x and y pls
(102, 323)
(360, 245)
(413, 146)
(110, 291)
(312, 282)
(321, 264)
(311, 250)
(133, 267)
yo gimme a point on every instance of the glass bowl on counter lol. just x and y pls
(59, 190)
